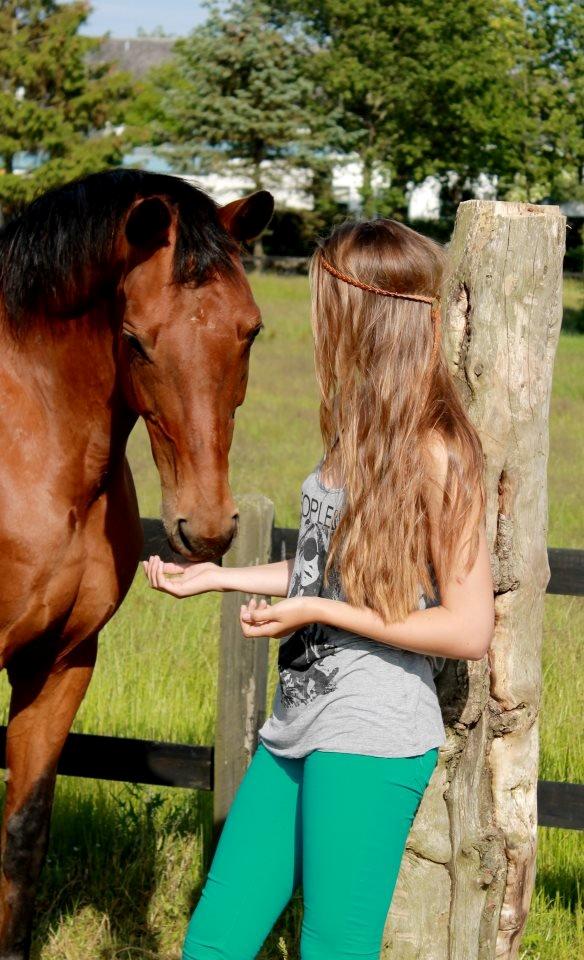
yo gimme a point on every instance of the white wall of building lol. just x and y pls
(289, 189)
(290, 186)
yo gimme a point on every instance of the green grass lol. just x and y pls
(126, 863)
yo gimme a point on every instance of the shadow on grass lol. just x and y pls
(124, 871)
(573, 320)
(560, 886)
(106, 862)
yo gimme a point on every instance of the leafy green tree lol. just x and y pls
(415, 88)
(423, 86)
(156, 32)
(58, 105)
(240, 97)
(545, 136)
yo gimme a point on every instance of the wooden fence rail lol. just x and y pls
(242, 690)
(566, 566)
(159, 764)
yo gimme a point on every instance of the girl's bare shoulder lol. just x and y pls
(437, 459)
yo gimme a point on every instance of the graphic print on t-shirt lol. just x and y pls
(304, 659)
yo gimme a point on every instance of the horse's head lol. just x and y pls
(189, 320)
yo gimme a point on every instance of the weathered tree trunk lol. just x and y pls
(468, 871)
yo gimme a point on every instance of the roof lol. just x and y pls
(136, 55)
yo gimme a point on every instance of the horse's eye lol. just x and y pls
(136, 346)
(254, 333)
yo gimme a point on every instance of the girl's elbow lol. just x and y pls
(475, 643)
(482, 644)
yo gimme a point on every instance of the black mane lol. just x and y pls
(67, 234)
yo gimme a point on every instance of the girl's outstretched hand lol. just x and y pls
(262, 620)
(180, 580)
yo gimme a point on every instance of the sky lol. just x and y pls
(122, 18)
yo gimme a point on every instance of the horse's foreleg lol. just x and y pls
(41, 713)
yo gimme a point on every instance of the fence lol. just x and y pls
(241, 691)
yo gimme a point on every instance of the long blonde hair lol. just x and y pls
(379, 406)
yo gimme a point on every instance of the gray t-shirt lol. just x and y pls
(339, 690)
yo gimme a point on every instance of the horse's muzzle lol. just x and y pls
(199, 549)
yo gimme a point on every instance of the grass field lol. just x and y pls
(125, 863)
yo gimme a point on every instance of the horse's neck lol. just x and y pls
(61, 392)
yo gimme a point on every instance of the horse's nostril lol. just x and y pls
(185, 540)
(204, 543)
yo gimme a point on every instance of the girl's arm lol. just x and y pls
(463, 630)
(270, 579)
(461, 626)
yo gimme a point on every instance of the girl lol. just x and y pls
(391, 576)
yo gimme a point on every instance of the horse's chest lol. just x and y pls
(68, 581)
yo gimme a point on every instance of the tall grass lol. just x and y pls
(126, 863)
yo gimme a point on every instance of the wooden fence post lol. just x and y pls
(468, 871)
(243, 663)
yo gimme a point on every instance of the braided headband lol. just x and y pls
(435, 301)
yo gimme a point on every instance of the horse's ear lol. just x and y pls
(148, 224)
(246, 218)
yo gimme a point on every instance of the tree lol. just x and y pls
(239, 96)
(445, 88)
(57, 105)
(458, 87)
(422, 85)
(545, 138)
(156, 32)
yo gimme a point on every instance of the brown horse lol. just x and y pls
(121, 295)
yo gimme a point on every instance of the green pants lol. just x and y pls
(336, 823)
